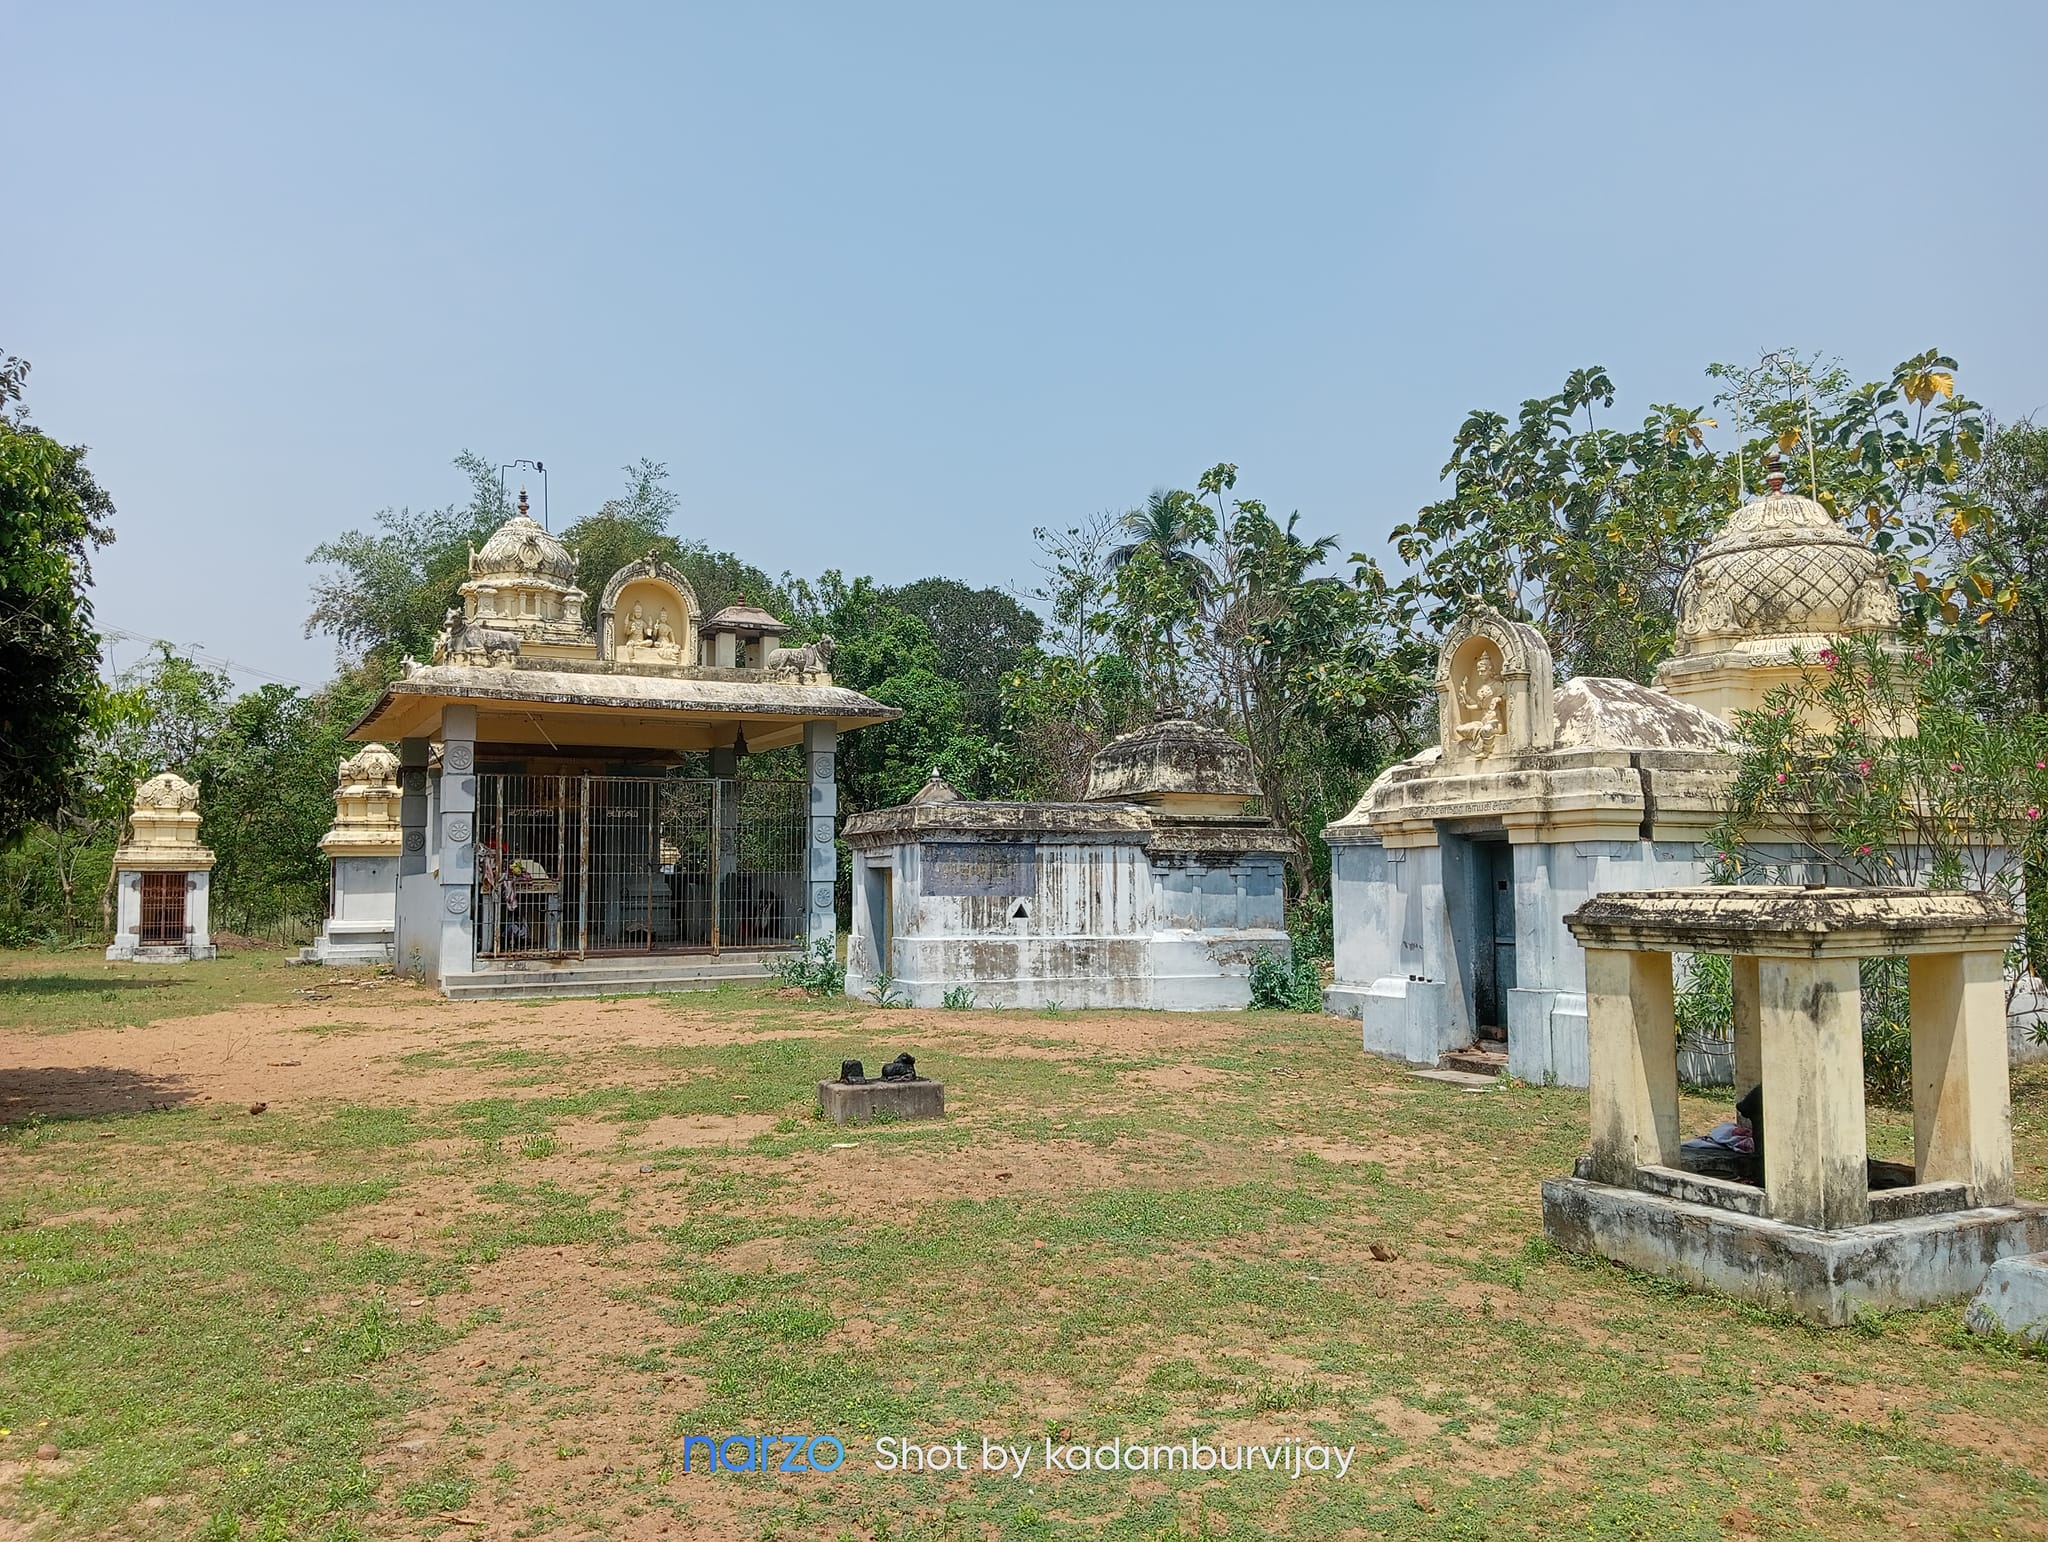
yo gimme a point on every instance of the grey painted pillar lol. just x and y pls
(416, 911)
(458, 839)
(821, 752)
(412, 807)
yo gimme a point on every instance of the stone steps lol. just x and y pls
(608, 977)
(1475, 1061)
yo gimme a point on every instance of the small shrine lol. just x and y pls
(576, 808)
(1157, 890)
(1452, 877)
(162, 877)
(1816, 1225)
(362, 851)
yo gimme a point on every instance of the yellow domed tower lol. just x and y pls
(521, 597)
(1783, 581)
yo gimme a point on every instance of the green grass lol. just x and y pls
(200, 1316)
(55, 992)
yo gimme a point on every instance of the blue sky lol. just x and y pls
(888, 285)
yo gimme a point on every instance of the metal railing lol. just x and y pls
(577, 865)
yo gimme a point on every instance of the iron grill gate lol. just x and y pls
(163, 910)
(575, 865)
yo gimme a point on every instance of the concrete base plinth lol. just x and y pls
(857, 1102)
(1828, 1276)
(127, 952)
(2014, 1298)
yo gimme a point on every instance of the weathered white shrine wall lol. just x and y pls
(1088, 924)
(1405, 966)
(362, 913)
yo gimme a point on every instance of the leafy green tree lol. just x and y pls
(2004, 541)
(1204, 603)
(888, 652)
(266, 779)
(1587, 532)
(1894, 458)
(1880, 766)
(383, 594)
(53, 516)
(981, 634)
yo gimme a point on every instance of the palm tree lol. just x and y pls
(1170, 522)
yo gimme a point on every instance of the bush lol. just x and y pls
(1285, 984)
(1887, 1032)
(1705, 1003)
(816, 971)
(1311, 928)
(958, 999)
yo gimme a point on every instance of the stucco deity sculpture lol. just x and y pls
(1482, 703)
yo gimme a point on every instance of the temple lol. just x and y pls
(577, 810)
(1159, 889)
(1453, 876)
(162, 877)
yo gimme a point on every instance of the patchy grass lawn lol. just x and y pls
(478, 1271)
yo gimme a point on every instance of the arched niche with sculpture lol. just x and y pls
(1494, 683)
(648, 615)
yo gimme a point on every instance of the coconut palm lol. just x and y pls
(1168, 525)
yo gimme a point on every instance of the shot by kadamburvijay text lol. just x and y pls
(985, 1456)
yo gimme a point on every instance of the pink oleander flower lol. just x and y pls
(1827, 658)
(1863, 768)
(1781, 776)
(2033, 813)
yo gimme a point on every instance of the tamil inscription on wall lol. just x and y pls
(974, 868)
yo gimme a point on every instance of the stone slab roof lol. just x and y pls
(1780, 921)
(412, 706)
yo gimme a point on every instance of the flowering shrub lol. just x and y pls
(1877, 763)
(1881, 764)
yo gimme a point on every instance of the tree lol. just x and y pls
(1219, 610)
(981, 636)
(2005, 544)
(385, 593)
(266, 777)
(53, 516)
(1586, 532)
(889, 653)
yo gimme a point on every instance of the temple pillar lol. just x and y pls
(417, 930)
(1816, 1170)
(1746, 1029)
(1632, 1055)
(1962, 1093)
(821, 866)
(458, 839)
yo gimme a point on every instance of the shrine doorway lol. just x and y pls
(1493, 944)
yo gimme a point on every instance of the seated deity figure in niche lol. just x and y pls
(662, 633)
(1482, 702)
(636, 624)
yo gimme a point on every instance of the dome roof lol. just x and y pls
(1176, 755)
(743, 617)
(1784, 567)
(1598, 713)
(521, 548)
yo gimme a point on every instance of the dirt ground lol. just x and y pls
(602, 1225)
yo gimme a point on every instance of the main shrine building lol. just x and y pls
(575, 810)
